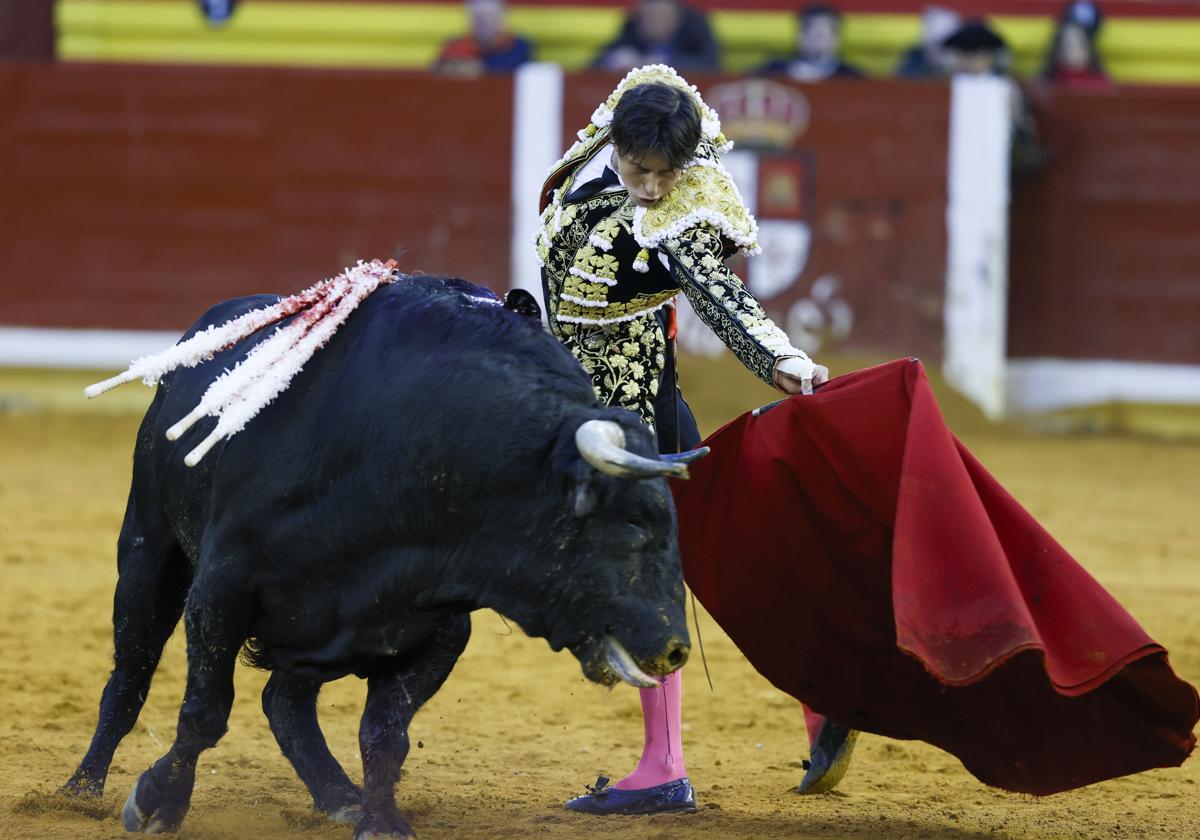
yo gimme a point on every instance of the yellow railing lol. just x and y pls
(408, 35)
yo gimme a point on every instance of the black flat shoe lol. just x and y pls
(672, 797)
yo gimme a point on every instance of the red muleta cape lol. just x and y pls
(868, 565)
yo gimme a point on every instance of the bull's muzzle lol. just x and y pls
(602, 444)
(623, 665)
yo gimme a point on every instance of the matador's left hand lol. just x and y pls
(792, 375)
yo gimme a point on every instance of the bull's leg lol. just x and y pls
(394, 694)
(151, 588)
(217, 618)
(290, 703)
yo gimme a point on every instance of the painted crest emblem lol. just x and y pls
(765, 119)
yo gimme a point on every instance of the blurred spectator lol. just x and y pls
(1085, 13)
(818, 48)
(662, 32)
(218, 12)
(976, 50)
(27, 30)
(1073, 59)
(489, 48)
(928, 59)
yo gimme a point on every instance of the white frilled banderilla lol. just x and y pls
(237, 395)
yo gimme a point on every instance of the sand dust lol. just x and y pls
(516, 730)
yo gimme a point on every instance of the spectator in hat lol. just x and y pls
(1073, 59)
(662, 32)
(974, 49)
(818, 48)
(488, 48)
(977, 50)
(927, 59)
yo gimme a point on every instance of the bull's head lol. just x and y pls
(620, 607)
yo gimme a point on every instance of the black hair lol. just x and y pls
(816, 10)
(657, 118)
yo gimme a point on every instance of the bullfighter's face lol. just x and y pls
(648, 177)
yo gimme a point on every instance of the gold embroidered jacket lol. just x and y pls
(603, 280)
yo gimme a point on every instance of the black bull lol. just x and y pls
(439, 455)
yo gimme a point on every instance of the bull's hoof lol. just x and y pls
(390, 826)
(346, 815)
(82, 786)
(830, 758)
(131, 814)
(146, 817)
(340, 804)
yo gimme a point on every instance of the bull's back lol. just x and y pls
(424, 368)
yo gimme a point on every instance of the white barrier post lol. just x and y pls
(537, 144)
(976, 305)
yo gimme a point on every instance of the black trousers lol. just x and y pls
(673, 419)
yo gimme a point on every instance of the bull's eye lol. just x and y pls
(640, 536)
(639, 518)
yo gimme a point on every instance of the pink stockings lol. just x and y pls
(662, 752)
(813, 721)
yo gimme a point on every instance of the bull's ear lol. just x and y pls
(523, 303)
(585, 499)
(585, 495)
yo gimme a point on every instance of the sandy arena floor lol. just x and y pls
(516, 730)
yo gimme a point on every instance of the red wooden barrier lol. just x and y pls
(135, 198)
(1105, 238)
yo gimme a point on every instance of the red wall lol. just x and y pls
(1105, 237)
(146, 195)
(135, 198)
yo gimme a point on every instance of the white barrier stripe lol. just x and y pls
(91, 349)
(1047, 384)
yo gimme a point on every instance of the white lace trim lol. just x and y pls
(600, 322)
(579, 272)
(584, 301)
(748, 243)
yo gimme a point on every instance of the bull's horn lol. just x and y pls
(686, 457)
(602, 444)
(623, 665)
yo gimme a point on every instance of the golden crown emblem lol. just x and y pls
(760, 112)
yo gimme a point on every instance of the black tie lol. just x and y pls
(607, 179)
